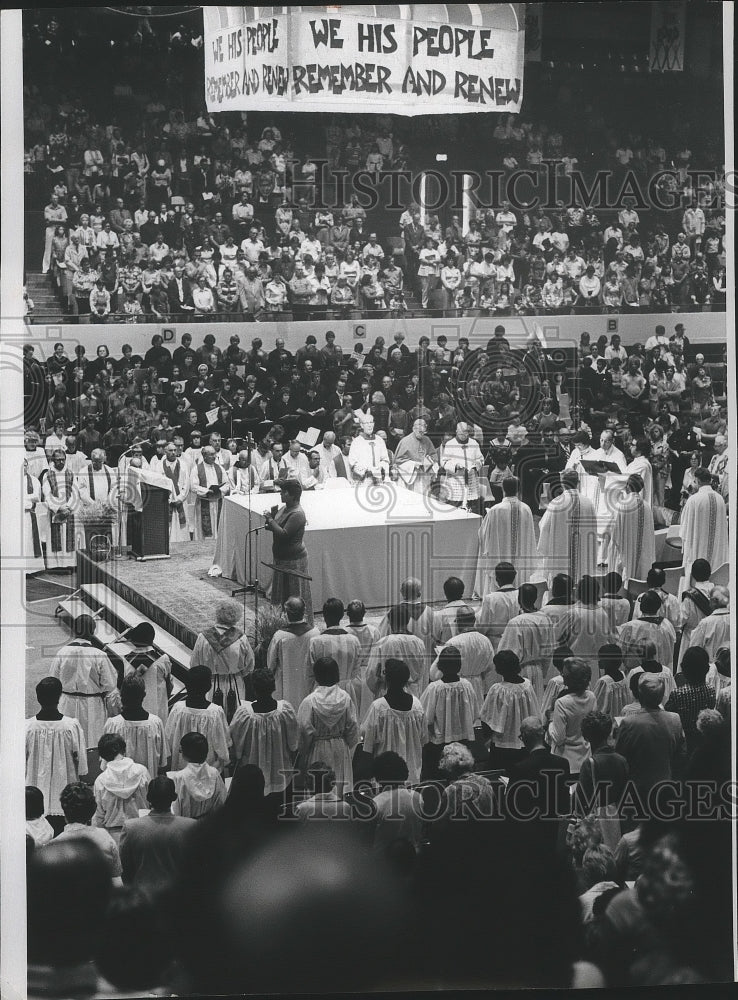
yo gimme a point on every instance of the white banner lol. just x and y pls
(668, 26)
(333, 59)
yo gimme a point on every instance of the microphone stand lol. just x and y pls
(251, 587)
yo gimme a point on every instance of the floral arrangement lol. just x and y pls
(96, 512)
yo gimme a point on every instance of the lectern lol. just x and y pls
(150, 526)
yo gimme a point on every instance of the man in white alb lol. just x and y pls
(367, 457)
(210, 484)
(462, 460)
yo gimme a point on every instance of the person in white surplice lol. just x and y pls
(531, 636)
(415, 458)
(568, 540)
(61, 495)
(396, 721)
(33, 555)
(341, 645)
(476, 652)
(288, 654)
(56, 754)
(265, 733)
(329, 731)
(368, 457)
(704, 525)
(462, 461)
(176, 471)
(506, 534)
(632, 549)
(209, 483)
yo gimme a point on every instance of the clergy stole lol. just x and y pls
(205, 519)
(56, 542)
(91, 481)
(711, 521)
(401, 616)
(34, 520)
(699, 599)
(514, 526)
(574, 540)
(218, 641)
(340, 466)
(172, 474)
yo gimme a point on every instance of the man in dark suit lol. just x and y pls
(179, 293)
(151, 848)
(537, 797)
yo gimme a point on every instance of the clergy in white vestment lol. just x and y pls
(294, 464)
(506, 534)
(461, 461)
(719, 464)
(153, 668)
(129, 466)
(265, 733)
(337, 643)
(176, 471)
(396, 721)
(500, 605)
(415, 458)
(288, 654)
(76, 460)
(224, 648)
(411, 615)
(713, 632)
(368, 457)
(399, 646)
(616, 606)
(329, 731)
(332, 462)
(56, 750)
(368, 636)
(635, 635)
(530, 635)
(97, 481)
(209, 483)
(607, 452)
(34, 456)
(223, 457)
(444, 620)
(632, 549)
(476, 653)
(88, 679)
(33, 556)
(61, 496)
(581, 452)
(568, 540)
(641, 466)
(142, 732)
(704, 525)
(243, 476)
(198, 715)
(586, 626)
(670, 607)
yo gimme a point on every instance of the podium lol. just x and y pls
(149, 527)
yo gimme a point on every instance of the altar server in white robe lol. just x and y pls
(396, 721)
(451, 708)
(288, 654)
(635, 635)
(632, 549)
(670, 608)
(198, 715)
(142, 732)
(506, 534)
(368, 458)
(61, 496)
(587, 625)
(199, 786)
(500, 605)
(412, 614)
(152, 667)
(209, 484)
(568, 540)
(530, 635)
(713, 632)
(89, 681)
(225, 649)
(265, 733)
(415, 458)
(607, 452)
(399, 646)
(476, 654)
(704, 525)
(176, 471)
(367, 635)
(510, 700)
(337, 643)
(329, 731)
(56, 752)
(243, 476)
(33, 556)
(641, 466)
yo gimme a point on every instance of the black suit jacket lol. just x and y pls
(537, 794)
(175, 301)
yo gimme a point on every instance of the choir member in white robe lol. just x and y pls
(338, 644)
(120, 788)
(641, 466)
(396, 721)
(509, 700)
(506, 534)
(288, 654)
(607, 452)
(197, 715)
(176, 471)
(586, 626)
(33, 556)
(402, 646)
(56, 751)
(444, 621)
(476, 654)
(199, 786)
(530, 635)
(499, 606)
(227, 652)
(695, 603)
(713, 632)
(632, 549)
(265, 733)
(614, 603)
(653, 667)
(61, 496)
(704, 525)
(612, 690)
(243, 476)
(209, 484)
(368, 457)
(415, 459)
(368, 636)
(568, 540)
(329, 731)
(461, 461)
(89, 681)
(650, 628)
(451, 705)
(411, 615)
(656, 578)
(142, 732)
(152, 667)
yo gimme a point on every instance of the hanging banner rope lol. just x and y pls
(408, 60)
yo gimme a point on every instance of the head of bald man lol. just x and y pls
(720, 597)
(462, 433)
(97, 457)
(410, 589)
(294, 609)
(532, 732)
(243, 458)
(208, 454)
(329, 439)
